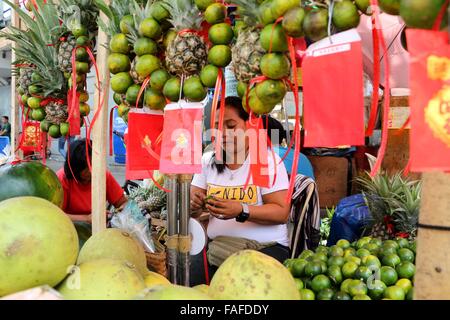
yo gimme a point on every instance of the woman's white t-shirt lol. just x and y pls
(230, 185)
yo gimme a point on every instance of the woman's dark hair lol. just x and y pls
(268, 122)
(77, 158)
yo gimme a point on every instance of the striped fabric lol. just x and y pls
(304, 220)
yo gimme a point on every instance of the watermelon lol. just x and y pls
(30, 179)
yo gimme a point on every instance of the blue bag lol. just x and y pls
(349, 220)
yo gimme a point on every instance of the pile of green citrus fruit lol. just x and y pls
(368, 269)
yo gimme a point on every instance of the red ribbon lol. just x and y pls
(440, 16)
(389, 224)
(46, 101)
(273, 30)
(111, 119)
(141, 90)
(376, 79)
(297, 133)
(387, 94)
(219, 89)
(73, 104)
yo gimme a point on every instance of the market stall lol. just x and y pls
(163, 62)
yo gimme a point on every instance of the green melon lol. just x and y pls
(172, 292)
(30, 179)
(114, 244)
(104, 279)
(253, 275)
(38, 244)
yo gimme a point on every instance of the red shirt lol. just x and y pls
(77, 196)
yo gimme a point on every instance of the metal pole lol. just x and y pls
(172, 228)
(184, 245)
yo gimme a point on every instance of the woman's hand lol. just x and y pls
(224, 209)
(197, 201)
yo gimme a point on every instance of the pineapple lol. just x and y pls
(56, 113)
(247, 51)
(33, 49)
(65, 50)
(391, 199)
(25, 80)
(187, 54)
(75, 15)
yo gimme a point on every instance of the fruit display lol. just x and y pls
(44, 64)
(114, 244)
(31, 179)
(38, 244)
(103, 279)
(252, 274)
(368, 269)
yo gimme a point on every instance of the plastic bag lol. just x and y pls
(132, 221)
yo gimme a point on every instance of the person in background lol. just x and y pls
(62, 144)
(75, 178)
(5, 131)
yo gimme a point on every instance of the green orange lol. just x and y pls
(357, 287)
(349, 269)
(126, 23)
(159, 78)
(320, 282)
(275, 66)
(219, 55)
(336, 261)
(121, 82)
(391, 260)
(388, 275)
(221, 33)
(325, 294)
(298, 267)
(172, 89)
(144, 46)
(215, 13)
(150, 28)
(194, 90)
(118, 62)
(406, 270)
(154, 99)
(343, 243)
(405, 284)
(273, 38)
(307, 294)
(335, 274)
(406, 254)
(119, 44)
(209, 75)
(394, 293)
(376, 289)
(299, 283)
(38, 114)
(313, 268)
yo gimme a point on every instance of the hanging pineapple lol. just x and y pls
(45, 83)
(187, 53)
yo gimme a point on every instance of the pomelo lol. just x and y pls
(114, 244)
(251, 274)
(38, 244)
(102, 279)
(154, 279)
(202, 288)
(172, 292)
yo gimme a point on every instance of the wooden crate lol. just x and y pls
(332, 179)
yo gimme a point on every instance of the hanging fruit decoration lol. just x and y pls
(58, 39)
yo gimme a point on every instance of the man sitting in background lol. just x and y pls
(6, 128)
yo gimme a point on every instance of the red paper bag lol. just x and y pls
(333, 92)
(143, 143)
(181, 150)
(429, 100)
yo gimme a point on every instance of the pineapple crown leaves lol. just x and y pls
(139, 13)
(78, 12)
(184, 14)
(393, 196)
(35, 45)
(248, 11)
(115, 12)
